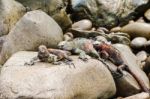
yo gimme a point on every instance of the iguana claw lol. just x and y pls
(68, 62)
(29, 63)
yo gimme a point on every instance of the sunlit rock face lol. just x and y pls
(87, 80)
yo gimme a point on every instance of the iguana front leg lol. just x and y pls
(116, 74)
(53, 59)
(32, 61)
(82, 55)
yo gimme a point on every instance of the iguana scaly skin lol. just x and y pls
(81, 46)
(111, 53)
(61, 54)
(84, 47)
(50, 55)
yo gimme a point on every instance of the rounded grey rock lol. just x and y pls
(138, 42)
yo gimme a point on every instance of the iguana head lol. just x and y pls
(65, 45)
(43, 52)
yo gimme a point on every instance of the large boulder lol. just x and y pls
(33, 29)
(87, 80)
(106, 13)
(123, 83)
(10, 12)
(54, 8)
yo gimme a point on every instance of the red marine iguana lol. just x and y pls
(107, 51)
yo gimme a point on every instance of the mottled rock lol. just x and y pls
(33, 29)
(101, 38)
(137, 29)
(103, 29)
(54, 8)
(119, 37)
(10, 12)
(138, 42)
(105, 13)
(147, 14)
(83, 25)
(88, 80)
(85, 33)
(131, 60)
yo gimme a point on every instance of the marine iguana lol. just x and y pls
(82, 46)
(51, 56)
(107, 51)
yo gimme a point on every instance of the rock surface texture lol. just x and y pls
(54, 8)
(105, 13)
(88, 80)
(10, 12)
(33, 29)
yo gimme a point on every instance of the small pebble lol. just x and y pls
(83, 25)
(115, 29)
(101, 38)
(141, 19)
(147, 14)
(102, 29)
(142, 56)
(138, 42)
(68, 36)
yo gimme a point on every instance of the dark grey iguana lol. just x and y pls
(84, 47)
(81, 46)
